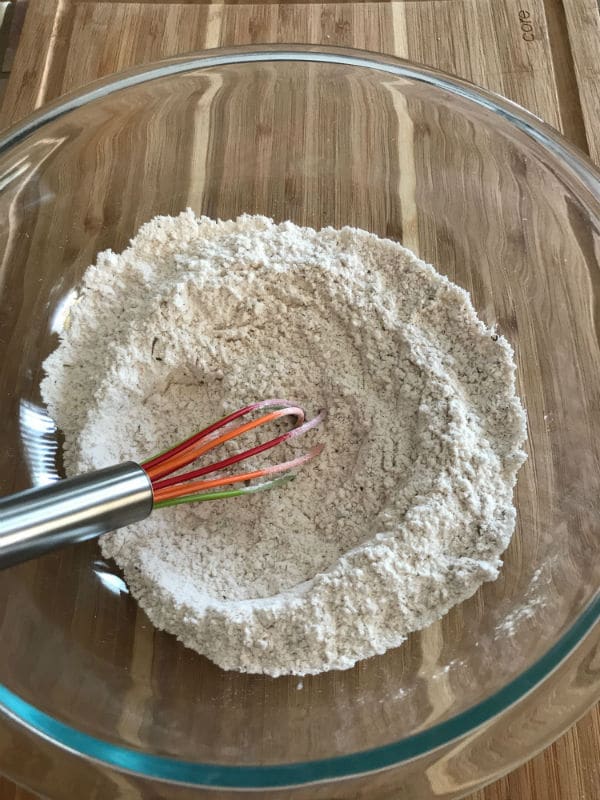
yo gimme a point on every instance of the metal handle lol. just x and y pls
(44, 518)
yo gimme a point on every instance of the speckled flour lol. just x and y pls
(406, 512)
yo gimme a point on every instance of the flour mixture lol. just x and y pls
(405, 513)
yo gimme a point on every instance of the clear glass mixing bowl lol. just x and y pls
(92, 695)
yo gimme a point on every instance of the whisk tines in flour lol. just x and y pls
(183, 487)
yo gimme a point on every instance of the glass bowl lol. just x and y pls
(92, 695)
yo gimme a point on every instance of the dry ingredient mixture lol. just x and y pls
(406, 512)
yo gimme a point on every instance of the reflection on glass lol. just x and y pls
(61, 312)
(108, 579)
(15, 172)
(40, 445)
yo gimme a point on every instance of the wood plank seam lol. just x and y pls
(561, 52)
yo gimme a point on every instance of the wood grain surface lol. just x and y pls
(543, 54)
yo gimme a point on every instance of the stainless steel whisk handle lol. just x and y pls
(44, 518)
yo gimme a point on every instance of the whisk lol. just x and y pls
(41, 519)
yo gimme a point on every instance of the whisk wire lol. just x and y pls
(220, 423)
(183, 487)
(169, 489)
(195, 498)
(196, 448)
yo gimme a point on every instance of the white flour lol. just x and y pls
(405, 513)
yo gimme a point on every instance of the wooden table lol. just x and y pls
(544, 54)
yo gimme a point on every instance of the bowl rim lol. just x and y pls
(571, 162)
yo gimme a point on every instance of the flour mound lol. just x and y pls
(405, 513)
